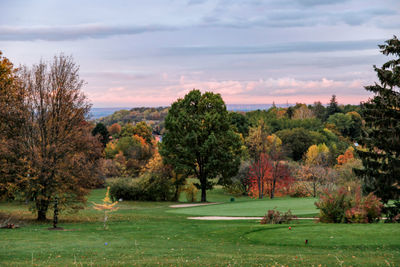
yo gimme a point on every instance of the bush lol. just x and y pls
(191, 191)
(125, 188)
(298, 189)
(275, 217)
(148, 187)
(392, 212)
(342, 206)
(333, 206)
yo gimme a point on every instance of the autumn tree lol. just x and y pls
(381, 138)
(256, 141)
(114, 129)
(199, 139)
(12, 121)
(316, 172)
(60, 154)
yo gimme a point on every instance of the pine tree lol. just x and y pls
(381, 136)
(332, 107)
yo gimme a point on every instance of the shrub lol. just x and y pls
(275, 217)
(125, 188)
(148, 187)
(191, 191)
(342, 206)
(299, 190)
(333, 206)
(392, 212)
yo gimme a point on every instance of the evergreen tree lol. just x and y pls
(332, 107)
(101, 130)
(381, 138)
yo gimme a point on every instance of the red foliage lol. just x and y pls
(268, 177)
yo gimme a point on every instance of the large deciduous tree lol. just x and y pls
(59, 153)
(381, 138)
(199, 139)
(12, 120)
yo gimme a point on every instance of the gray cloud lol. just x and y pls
(73, 32)
(287, 18)
(303, 47)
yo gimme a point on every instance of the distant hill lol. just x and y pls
(97, 113)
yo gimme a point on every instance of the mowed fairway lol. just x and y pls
(149, 234)
(301, 207)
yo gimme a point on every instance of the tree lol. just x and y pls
(297, 141)
(59, 153)
(256, 142)
(101, 130)
(12, 121)
(241, 122)
(381, 137)
(199, 139)
(319, 110)
(266, 175)
(114, 129)
(302, 112)
(332, 107)
(260, 173)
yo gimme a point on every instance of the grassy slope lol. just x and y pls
(145, 234)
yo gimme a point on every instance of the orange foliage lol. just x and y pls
(114, 129)
(346, 157)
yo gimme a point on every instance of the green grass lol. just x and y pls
(302, 207)
(148, 234)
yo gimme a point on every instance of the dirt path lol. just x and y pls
(193, 205)
(228, 218)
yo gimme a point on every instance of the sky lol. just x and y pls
(149, 53)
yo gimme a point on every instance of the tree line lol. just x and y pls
(50, 150)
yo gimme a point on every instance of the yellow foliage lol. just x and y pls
(107, 204)
(316, 154)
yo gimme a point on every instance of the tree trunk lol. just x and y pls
(203, 192)
(42, 206)
(41, 215)
(315, 190)
(176, 194)
(273, 188)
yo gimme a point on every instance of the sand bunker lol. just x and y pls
(193, 205)
(223, 218)
(228, 218)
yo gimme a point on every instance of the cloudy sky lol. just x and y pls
(148, 53)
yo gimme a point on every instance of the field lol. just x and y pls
(152, 233)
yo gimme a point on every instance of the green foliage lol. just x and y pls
(190, 192)
(148, 187)
(392, 212)
(240, 122)
(199, 138)
(332, 107)
(349, 124)
(319, 110)
(297, 140)
(312, 124)
(239, 184)
(135, 115)
(101, 130)
(381, 138)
